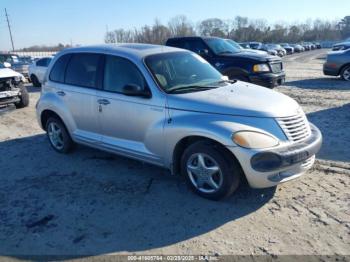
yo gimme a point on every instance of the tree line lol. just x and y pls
(240, 29)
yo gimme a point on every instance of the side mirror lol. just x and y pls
(225, 78)
(203, 52)
(136, 90)
(7, 65)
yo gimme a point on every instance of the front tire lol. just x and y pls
(210, 171)
(345, 73)
(58, 136)
(35, 81)
(24, 97)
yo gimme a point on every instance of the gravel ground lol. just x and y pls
(93, 203)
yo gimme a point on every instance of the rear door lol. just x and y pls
(77, 90)
(41, 67)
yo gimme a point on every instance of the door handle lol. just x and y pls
(103, 102)
(61, 93)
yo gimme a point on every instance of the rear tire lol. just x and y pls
(345, 73)
(24, 97)
(210, 171)
(35, 81)
(58, 136)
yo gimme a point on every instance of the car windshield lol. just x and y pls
(220, 46)
(183, 70)
(254, 45)
(234, 44)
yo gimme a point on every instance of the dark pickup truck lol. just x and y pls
(235, 63)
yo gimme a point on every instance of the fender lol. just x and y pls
(233, 71)
(219, 128)
(49, 101)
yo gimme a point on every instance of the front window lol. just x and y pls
(234, 44)
(182, 70)
(220, 46)
(255, 45)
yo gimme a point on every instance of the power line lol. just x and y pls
(8, 24)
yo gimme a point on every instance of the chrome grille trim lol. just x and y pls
(296, 128)
(276, 67)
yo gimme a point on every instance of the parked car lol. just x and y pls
(170, 107)
(245, 45)
(12, 90)
(289, 49)
(16, 63)
(37, 70)
(281, 52)
(298, 48)
(338, 64)
(269, 50)
(235, 63)
(238, 46)
(318, 45)
(341, 46)
(306, 46)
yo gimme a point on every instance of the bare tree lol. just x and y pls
(180, 26)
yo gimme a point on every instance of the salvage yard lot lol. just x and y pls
(94, 203)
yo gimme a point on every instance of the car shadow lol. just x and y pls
(334, 124)
(91, 203)
(33, 89)
(329, 83)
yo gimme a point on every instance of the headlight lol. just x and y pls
(254, 140)
(17, 78)
(261, 68)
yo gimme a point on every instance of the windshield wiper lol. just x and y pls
(226, 81)
(193, 87)
(225, 52)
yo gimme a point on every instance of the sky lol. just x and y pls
(49, 22)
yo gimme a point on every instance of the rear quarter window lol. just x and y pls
(58, 70)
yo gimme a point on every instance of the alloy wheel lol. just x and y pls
(55, 135)
(204, 172)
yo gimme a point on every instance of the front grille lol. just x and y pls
(296, 128)
(308, 163)
(276, 67)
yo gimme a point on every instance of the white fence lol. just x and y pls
(35, 54)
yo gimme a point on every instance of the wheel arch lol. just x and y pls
(46, 114)
(343, 67)
(232, 70)
(187, 141)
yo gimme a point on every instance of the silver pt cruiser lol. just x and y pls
(169, 107)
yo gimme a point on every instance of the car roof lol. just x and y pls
(136, 50)
(342, 43)
(193, 37)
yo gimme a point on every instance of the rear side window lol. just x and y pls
(120, 72)
(44, 62)
(57, 72)
(82, 70)
(195, 45)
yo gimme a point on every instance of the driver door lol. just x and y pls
(131, 125)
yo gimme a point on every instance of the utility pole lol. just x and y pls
(8, 24)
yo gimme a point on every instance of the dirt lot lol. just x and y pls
(93, 203)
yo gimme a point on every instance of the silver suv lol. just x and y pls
(169, 107)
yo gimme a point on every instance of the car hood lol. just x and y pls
(264, 57)
(240, 98)
(7, 72)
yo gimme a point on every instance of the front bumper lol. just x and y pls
(271, 167)
(330, 70)
(270, 80)
(9, 97)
